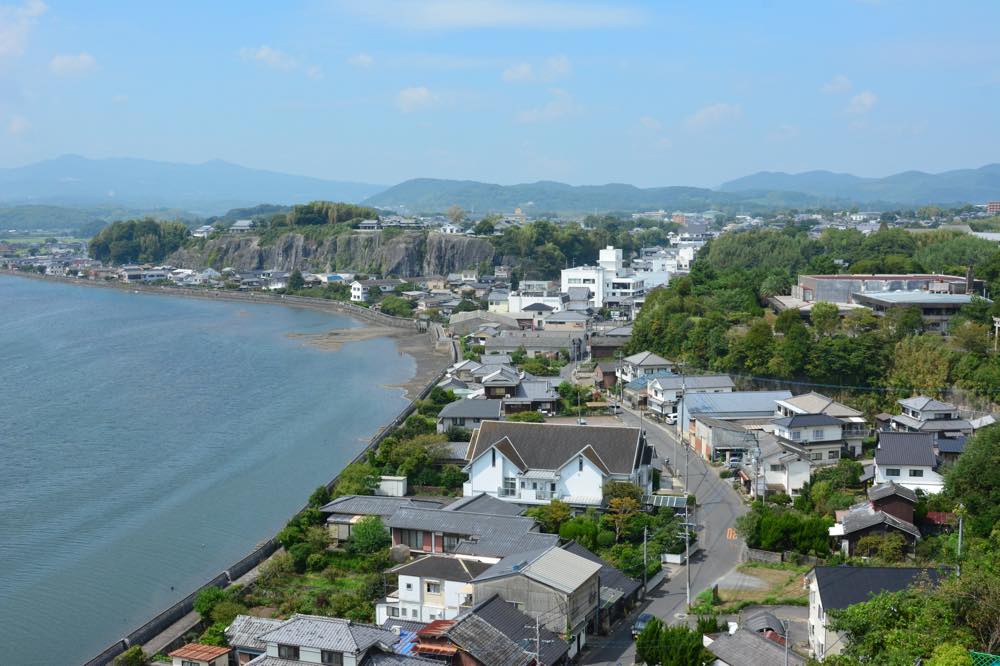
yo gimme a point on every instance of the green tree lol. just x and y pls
(950, 654)
(671, 646)
(207, 599)
(369, 535)
(974, 480)
(550, 516)
(484, 228)
(134, 656)
(920, 364)
(621, 510)
(358, 478)
(396, 306)
(825, 318)
(296, 281)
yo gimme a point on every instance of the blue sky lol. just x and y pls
(582, 92)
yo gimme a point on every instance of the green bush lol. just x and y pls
(206, 600)
(369, 535)
(527, 417)
(300, 553)
(133, 656)
(725, 474)
(605, 538)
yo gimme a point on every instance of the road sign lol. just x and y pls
(731, 534)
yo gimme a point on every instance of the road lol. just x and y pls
(718, 508)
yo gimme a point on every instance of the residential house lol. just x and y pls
(908, 459)
(643, 363)
(464, 532)
(557, 586)
(774, 465)
(750, 648)
(635, 393)
(854, 428)
(836, 588)
(923, 414)
(664, 392)
(204, 231)
(362, 290)
(468, 413)
(605, 375)
(889, 510)
(618, 594)
(534, 463)
(524, 299)
(535, 395)
(314, 639)
(717, 440)
(434, 587)
(493, 632)
(243, 635)
(196, 654)
(496, 301)
(819, 434)
(733, 406)
(344, 512)
(538, 343)
(483, 503)
(567, 320)
(242, 226)
(609, 343)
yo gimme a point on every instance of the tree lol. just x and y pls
(132, 241)
(550, 516)
(465, 305)
(134, 656)
(621, 510)
(889, 548)
(671, 646)
(206, 600)
(950, 654)
(974, 480)
(614, 489)
(920, 364)
(825, 318)
(369, 535)
(296, 281)
(455, 214)
(396, 306)
(358, 478)
(484, 228)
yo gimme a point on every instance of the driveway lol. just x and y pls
(718, 508)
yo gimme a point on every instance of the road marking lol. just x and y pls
(731, 534)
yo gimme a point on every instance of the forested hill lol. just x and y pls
(431, 195)
(717, 317)
(907, 188)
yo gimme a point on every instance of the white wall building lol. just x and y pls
(431, 588)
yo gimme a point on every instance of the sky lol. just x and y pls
(379, 91)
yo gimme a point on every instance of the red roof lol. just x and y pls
(436, 628)
(199, 652)
(425, 648)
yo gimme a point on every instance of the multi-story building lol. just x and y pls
(820, 435)
(611, 284)
(430, 588)
(854, 427)
(923, 414)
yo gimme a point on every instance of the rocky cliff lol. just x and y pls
(403, 255)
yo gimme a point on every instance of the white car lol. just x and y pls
(671, 418)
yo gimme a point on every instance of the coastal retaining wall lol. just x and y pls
(165, 619)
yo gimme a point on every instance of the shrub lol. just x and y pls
(226, 611)
(527, 417)
(725, 474)
(300, 553)
(369, 535)
(605, 538)
(319, 497)
(133, 656)
(316, 562)
(458, 434)
(207, 599)
(452, 477)
(780, 499)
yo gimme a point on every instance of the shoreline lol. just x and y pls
(421, 346)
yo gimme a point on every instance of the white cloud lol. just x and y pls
(471, 14)
(838, 84)
(72, 64)
(862, 102)
(713, 114)
(16, 22)
(560, 106)
(17, 125)
(361, 60)
(269, 57)
(550, 69)
(649, 122)
(315, 72)
(415, 98)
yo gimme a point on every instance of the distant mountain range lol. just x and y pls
(207, 189)
(907, 188)
(431, 195)
(69, 190)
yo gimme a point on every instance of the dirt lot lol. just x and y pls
(760, 583)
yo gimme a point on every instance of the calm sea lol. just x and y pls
(147, 442)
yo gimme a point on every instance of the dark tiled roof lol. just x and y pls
(763, 621)
(745, 648)
(610, 576)
(550, 446)
(473, 409)
(516, 629)
(840, 587)
(905, 448)
(922, 402)
(374, 505)
(891, 488)
(951, 444)
(483, 503)
(488, 535)
(496, 544)
(863, 516)
(329, 633)
(379, 658)
(445, 568)
(404, 625)
(807, 421)
(245, 629)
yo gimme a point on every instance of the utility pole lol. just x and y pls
(687, 552)
(961, 516)
(645, 566)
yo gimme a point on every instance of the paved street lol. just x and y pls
(718, 508)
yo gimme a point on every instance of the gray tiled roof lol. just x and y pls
(550, 446)
(554, 567)
(245, 630)
(694, 382)
(265, 660)
(442, 567)
(498, 634)
(891, 488)
(379, 658)
(764, 621)
(922, 402)
(646, 358)
(746, 648)
(483, 503)
(487, 644)
(499, 545)
(374, 505)
(932, 425)
(807, 421)
(905, 448)
(329, 633)
(840, 587)
(488, 535)
(473, 409)
(862, 516)
(610, 576)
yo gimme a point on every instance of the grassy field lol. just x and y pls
(778, 584)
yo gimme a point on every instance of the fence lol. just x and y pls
(755, 555)
(163, 620)
(984, 659)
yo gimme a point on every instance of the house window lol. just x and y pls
(892, 471)
(493, 460)
(414, 612)
(552, 487)
(450, 543)
(816, 456)
(777, 468)
(331, 657)
(509, 487)
(393, 611)
(288, 651)
(833, 455)
(433, 587)
(409, 587)
(796, 435)
(818, 434)
(916, 472)
(579, 464)
(185, 662)
(412, 538)
(459, 421)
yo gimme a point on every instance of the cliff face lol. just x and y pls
(405, 255)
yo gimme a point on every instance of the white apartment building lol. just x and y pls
(431, 588)
(608, 281)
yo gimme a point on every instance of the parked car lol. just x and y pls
(671, 418)
(640, 624)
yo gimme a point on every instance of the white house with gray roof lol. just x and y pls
(313, 639)
(923, 414)
(908, 460)
(534, 463)
(855, 427)
(663, 392)
(643, 363)
(468, 413)
(433, 587)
